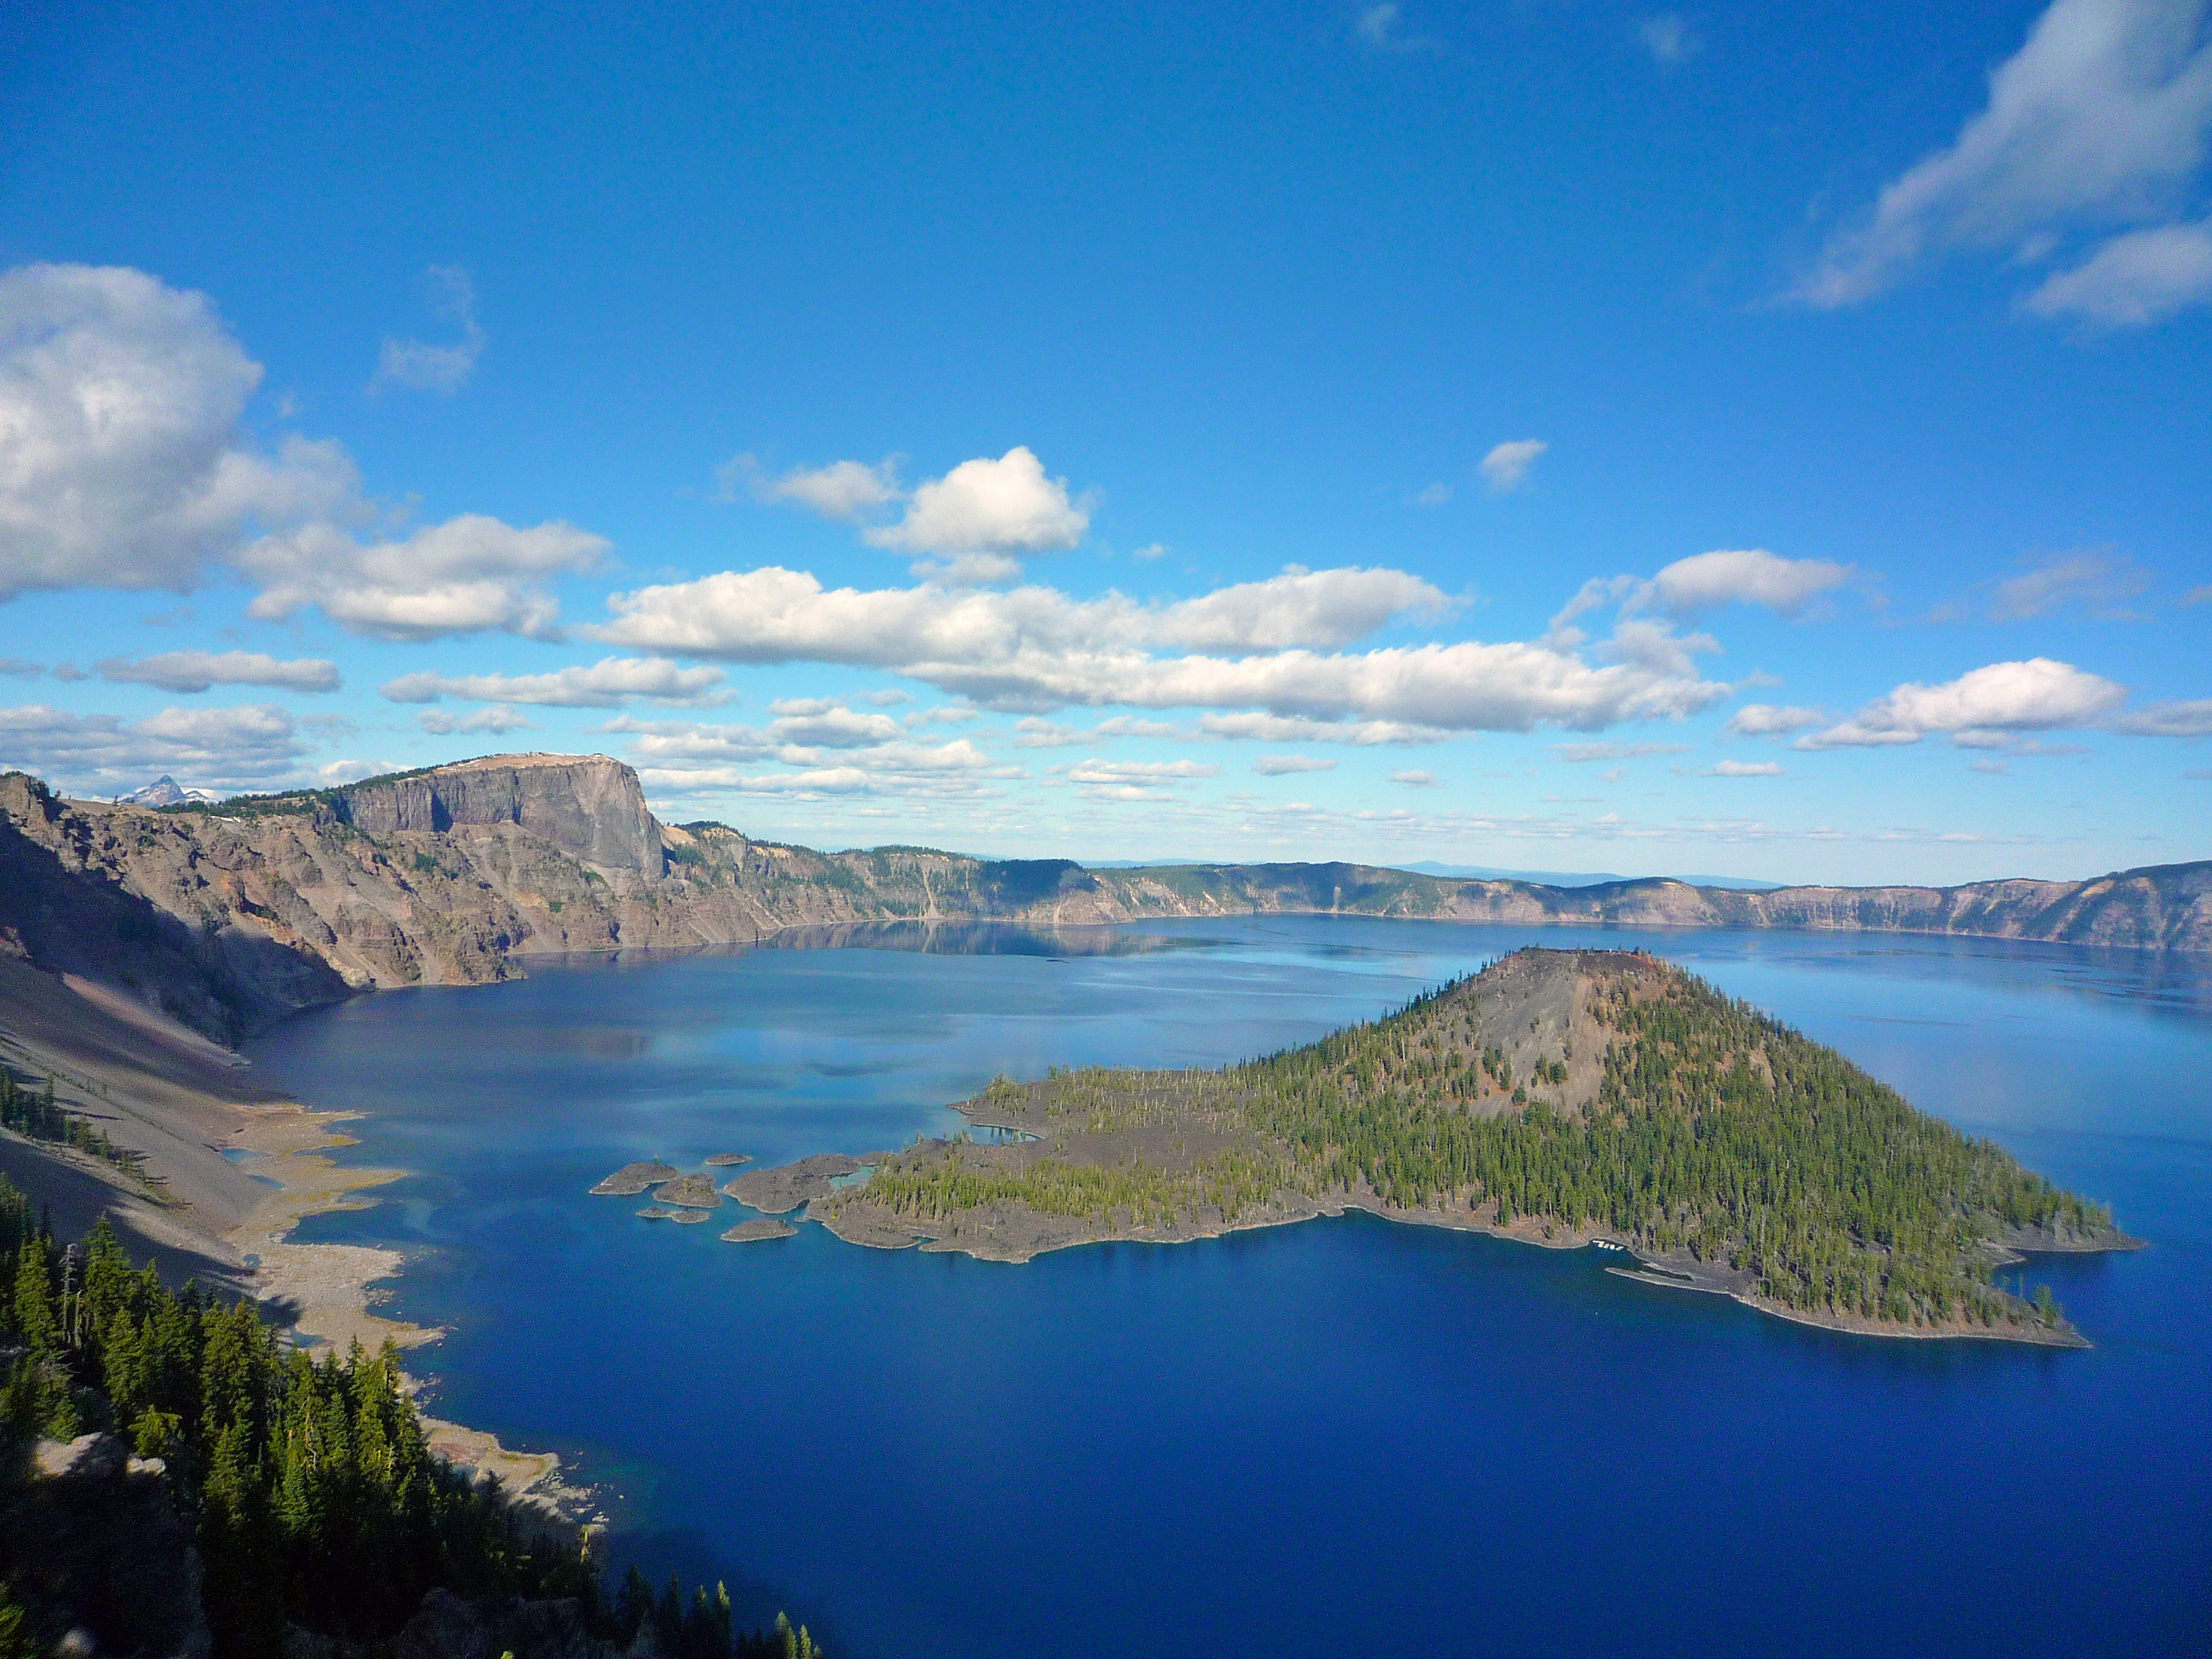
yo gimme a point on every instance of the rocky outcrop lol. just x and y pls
(227, 917)
(588, 807)
(97, 1553)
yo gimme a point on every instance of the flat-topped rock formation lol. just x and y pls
(726, 1160)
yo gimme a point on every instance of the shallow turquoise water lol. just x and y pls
(1290, 1442)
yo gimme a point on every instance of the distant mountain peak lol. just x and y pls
(165, 791)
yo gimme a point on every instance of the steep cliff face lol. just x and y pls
(588, 807)
(229, 916)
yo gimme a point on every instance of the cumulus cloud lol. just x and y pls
(2096, 582)
(1006, 506)
(850, 490)
(197, 670)
(469, 575)
(1276, 766)
(120, 399)
(209, 747)
(127, 467)
(1703, 581)
(607, 684)
(499, 720)
(1506, 467)
(2135, 280)
(2039, 695)
(424, 366)
(1415, 780)
(775, 614)
(1728, 769)
(1740, 576)
(1035, 649)
(18, 668)
(2100, 118)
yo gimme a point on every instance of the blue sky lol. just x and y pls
(1559, 435)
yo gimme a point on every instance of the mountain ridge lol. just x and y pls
(229, 916)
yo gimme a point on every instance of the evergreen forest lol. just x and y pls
(1716, 1134)
(310, 1490)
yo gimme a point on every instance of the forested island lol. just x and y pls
(1559, 1097)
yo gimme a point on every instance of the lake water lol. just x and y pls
(1342, 1436)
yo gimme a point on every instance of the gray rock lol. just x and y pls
(693, 1192)
(634, 1178)
(760, 1227)
(87, 1457)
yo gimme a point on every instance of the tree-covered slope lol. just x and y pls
(1558, 1094)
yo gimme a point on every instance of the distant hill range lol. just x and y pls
(230, 915)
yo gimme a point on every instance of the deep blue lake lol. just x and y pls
(1342, 1436)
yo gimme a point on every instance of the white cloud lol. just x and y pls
(498, 720)
(2038, 694)
(1507, 465)
(1150, 551)
(207, 747)
(1033, 650)
(2168, 719)
(2100, 118)
(125, 467)
(1034, 732)
(843, 489)
(830, 726)
(1765, 719)
(1006, 506)
(469, 575)
(1435, 494)
(775, 614)
(1277, 728)
(1668, 39)
(199, 670)
(2135, 280)
(119, 399)
(607, 683)
(2097, 582)
(1415, 780)
(421, 365)
(1740, 577)
(196, 671)
(1582, 753)
(1276, 766)
(1728, 769)
(1098, 771)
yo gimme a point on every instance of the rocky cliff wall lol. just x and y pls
(588, 807)
(229, 917)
